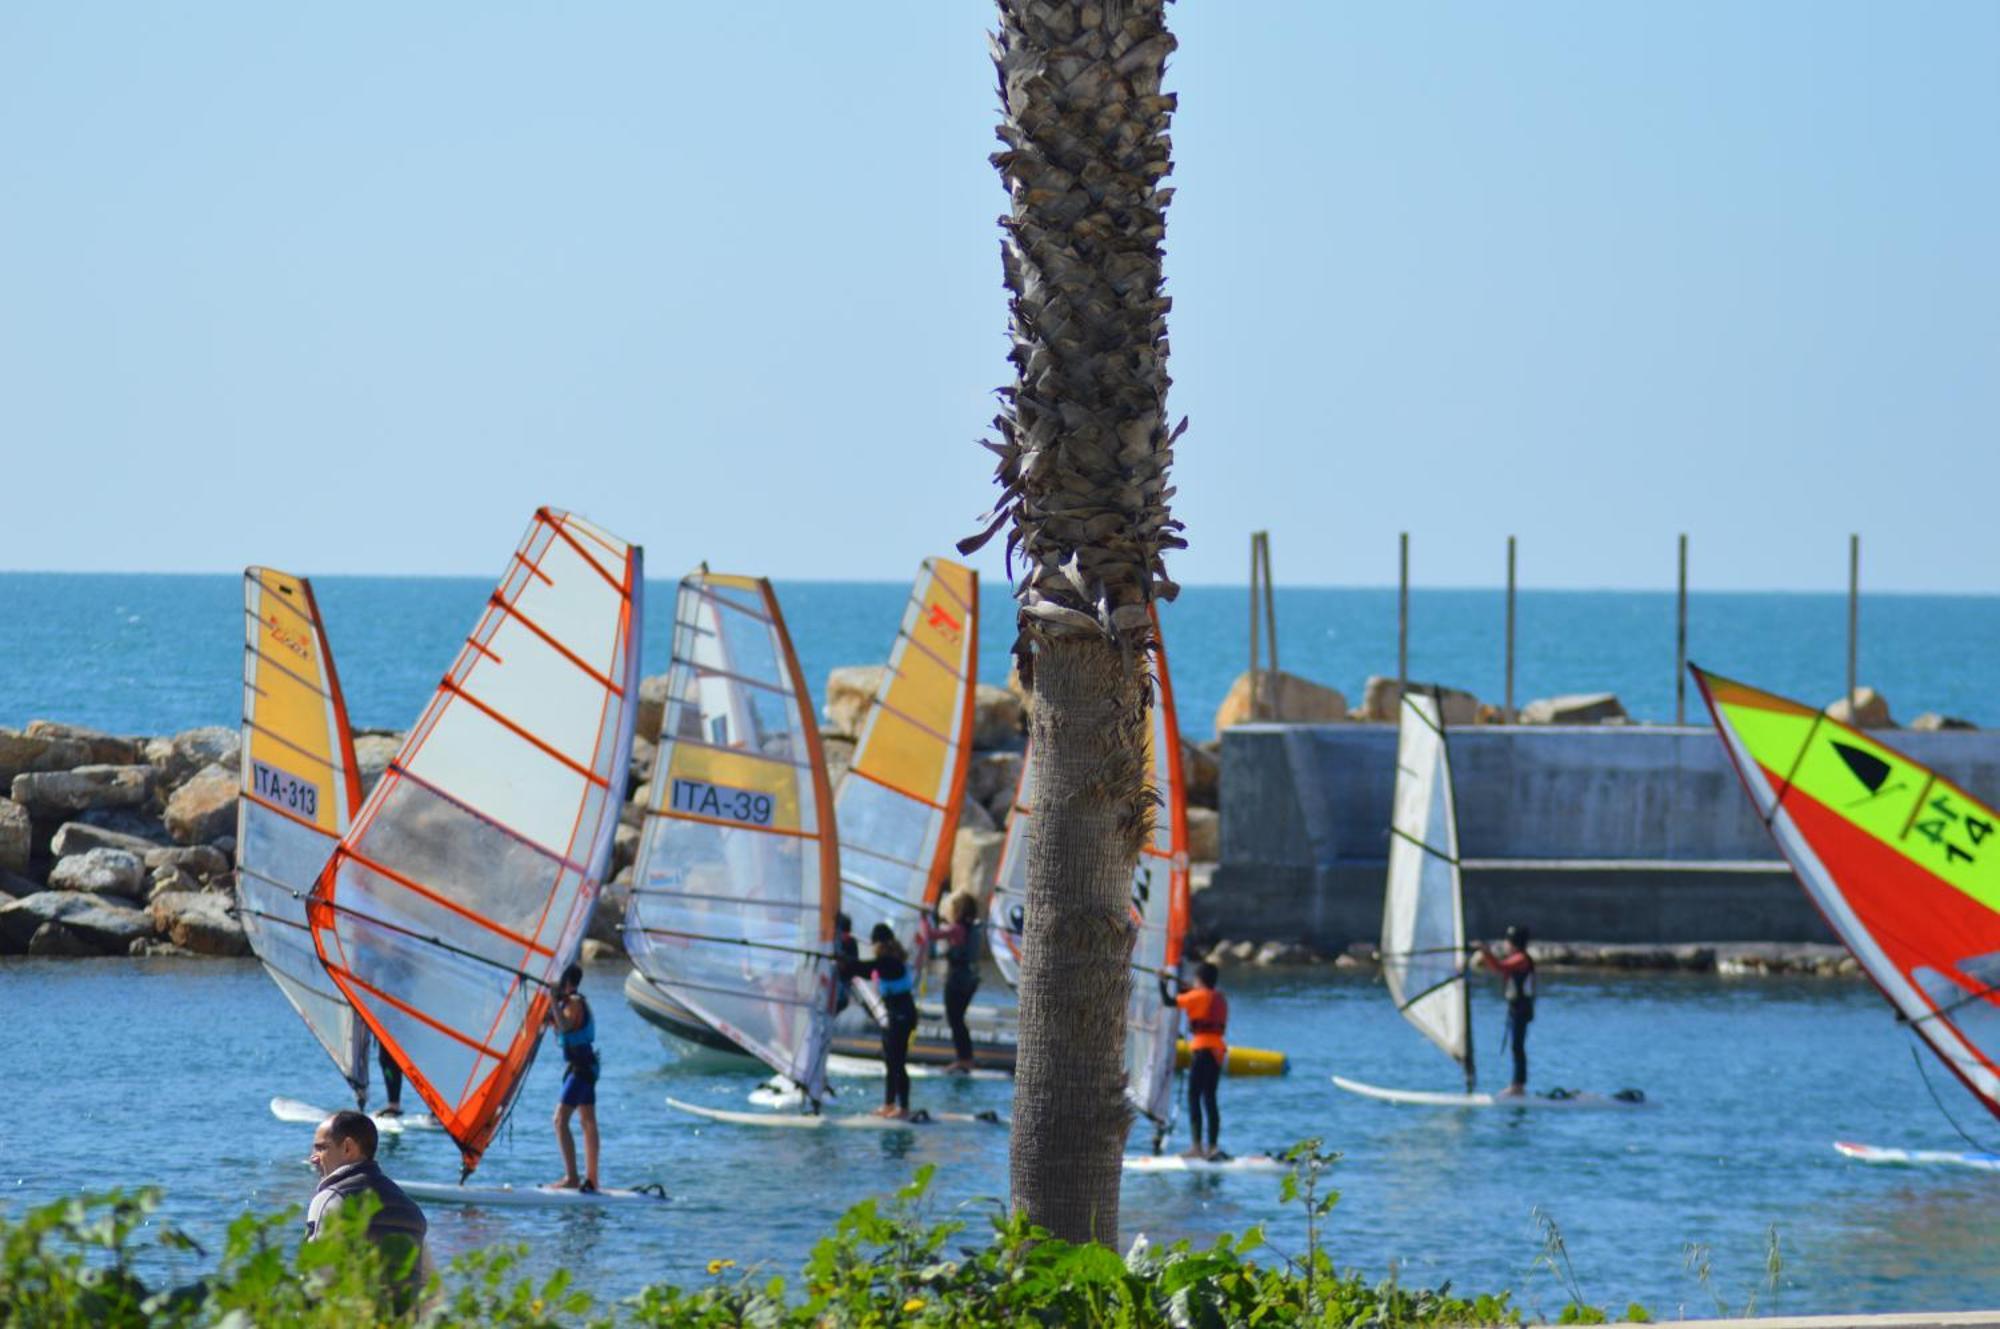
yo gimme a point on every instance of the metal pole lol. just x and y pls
(1270, 604)
(1681, 639)
(1507, 712)
(1403, 612)
(1853, 614)
(1256, 692)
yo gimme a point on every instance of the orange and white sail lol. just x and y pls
(300, 790)
(897, 806)
(453, 904)
(737, 881)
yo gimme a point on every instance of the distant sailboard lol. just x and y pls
(300, 789)
(1425, 955)
(1978, 1160)
(460, 894)
(529, 1197)
(1255, 1163)
(737, 881)
(1903, 864)
(388, 1123)
(848, 1121)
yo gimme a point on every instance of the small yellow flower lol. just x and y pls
(913, 1305)
(717, 1266)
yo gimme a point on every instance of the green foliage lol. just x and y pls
(888, 1262)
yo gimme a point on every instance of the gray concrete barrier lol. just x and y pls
(1617, 833)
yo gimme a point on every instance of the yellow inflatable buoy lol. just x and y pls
(1242, 1061)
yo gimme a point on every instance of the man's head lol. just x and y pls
(842, 925)
(572, 978)
(1517, 937)
(343, 1138)
(1207, 974)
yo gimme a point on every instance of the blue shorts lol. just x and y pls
(579, 1084)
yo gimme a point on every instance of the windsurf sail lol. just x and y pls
(1160, 905)
(1423, 909)
(1904, 864)
(462, 891)
(737, 881)
(300, 788)
(897, 806)
(1007, 914)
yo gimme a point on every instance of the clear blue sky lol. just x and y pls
(352, 288)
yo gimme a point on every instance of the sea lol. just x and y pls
(153, 654)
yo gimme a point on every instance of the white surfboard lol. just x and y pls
(1977, 1160)
(525, 1197)
(777, 1093)
(920, 1120)
(306, 1114)
(1571, 1099)
(1182, 1163)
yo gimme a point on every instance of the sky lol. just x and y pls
(354, 288)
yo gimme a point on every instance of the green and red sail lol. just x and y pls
(1904, 864)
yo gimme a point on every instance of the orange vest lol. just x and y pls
(1208, 1016)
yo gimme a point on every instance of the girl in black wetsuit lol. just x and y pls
(890, 968)
(961, 970)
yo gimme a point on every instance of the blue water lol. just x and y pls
(155, 654)
(128, 1072)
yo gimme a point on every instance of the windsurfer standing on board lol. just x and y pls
(1517, 984)
(392, 1082)
(1207, 1012)
(960, 936)
(576, 1027)
(890, 968)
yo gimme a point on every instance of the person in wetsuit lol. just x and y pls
(890, 968)
(961, 974)
(1207, 1012)
(576, 1027)
(847, 951)
(392, 1081)
(1517, 984)
(343, 1154)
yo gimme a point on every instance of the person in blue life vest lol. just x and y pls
(890, 968)
(576, 1028)
(1517, 985)
(959, 933)
(343, 1154)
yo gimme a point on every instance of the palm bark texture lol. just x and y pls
(1084, 445)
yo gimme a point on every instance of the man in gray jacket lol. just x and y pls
(343, 1154)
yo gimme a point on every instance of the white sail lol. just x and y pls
(1423, 912)
(1006, 915)
(300, 790)
(460, 894)
(737, 881)
(1160, 905)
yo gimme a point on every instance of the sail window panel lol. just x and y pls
(465, 995)
(455, 855)
(447, 1063)
(485, 765)
(736, 640)
(913, 759)
(578, 606)
(328, 1018)
(276, 847)
(540, 691)
(715, 881)
(883, 823)
(879, 888)
(416, 922)
(715, 709)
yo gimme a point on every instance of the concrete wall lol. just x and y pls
(1615, 833)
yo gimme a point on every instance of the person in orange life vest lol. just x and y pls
(1517, 981)
(1207, 1012)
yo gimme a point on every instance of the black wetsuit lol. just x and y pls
(1519, 990)
(961, 981)
(849, 952)
(893, 981)
(392, 1075)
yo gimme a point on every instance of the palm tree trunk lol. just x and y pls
(1070, 1112)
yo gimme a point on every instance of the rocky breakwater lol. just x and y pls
(112, 845)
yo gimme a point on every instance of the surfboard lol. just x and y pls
(1977, 1160)
(305, 1114)
(920, 1120)
(1179, 1163)
(781, 1093)
(525, 1197)
(1562, 1098)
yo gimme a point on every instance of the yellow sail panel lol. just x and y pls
(300, 788)
(898, 804)
(736, 883)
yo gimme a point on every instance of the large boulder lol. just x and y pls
(839, 755)
(199, 921)
(100, 872)
(104, 749)
(975, 860)
(52, 794)
(644, 752)
(850, 691)
(23, 752)
(203, 862)
(1931, 721)
(17, 836)
(1866, 709)
(1382, 702)
(179, 758)
(1201, 772)
(104, 926)
(1281, 697)
(652, 705)
(204, 808)
(624, 846)
(1204, 835)
(1574, 708)
(607, 917)
(973, 816)
(999, 720)
(373, 751)
(991, 779)
(54, 941)
(78, 837)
